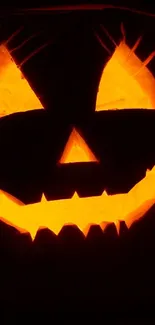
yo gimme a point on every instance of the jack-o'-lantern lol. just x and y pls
(123, 75)
(77, 147)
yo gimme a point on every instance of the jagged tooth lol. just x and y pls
(75, 195)
(105, 193)
(86, 230)
(126, 223)
(33, 234)
(103, 225)
(117, 224)
(43, 198)
(151, 170)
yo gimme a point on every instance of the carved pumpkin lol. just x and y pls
(91, 164)
(131, 76)
(130, 73)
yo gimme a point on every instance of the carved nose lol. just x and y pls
(77, 150)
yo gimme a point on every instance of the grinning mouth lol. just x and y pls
(82, 212)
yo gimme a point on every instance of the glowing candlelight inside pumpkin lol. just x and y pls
(126, 82)
(76, 150)
(80, 211)
(16, 95)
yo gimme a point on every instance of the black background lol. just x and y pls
(68, 275)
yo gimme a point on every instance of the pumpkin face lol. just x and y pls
(91, 166)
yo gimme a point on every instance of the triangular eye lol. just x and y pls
(126, 82)
(76, 150)
(16, 94)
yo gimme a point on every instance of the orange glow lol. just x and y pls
(76, 150)
(82, 212)
(126, 82)
(16, 94)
